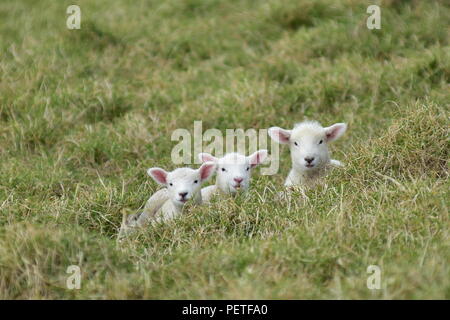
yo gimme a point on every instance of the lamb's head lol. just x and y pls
(308, 142)
(183, 183)
(234, 169)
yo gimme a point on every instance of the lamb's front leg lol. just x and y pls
(292, 179)
(167, 212)
(156, 201)
(208, 192)
(134, 221)
(291, 182)
(336, 163)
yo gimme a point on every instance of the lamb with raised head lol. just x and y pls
(233, 172)
(308, 143)
(181, 185)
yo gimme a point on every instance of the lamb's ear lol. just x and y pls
(280, 135)
(159, 175)
(335, 131)
(205, 157)
(257, 157)
(206, 170)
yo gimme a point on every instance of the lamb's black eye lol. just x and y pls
(296, 143)
(223, 169)
(320, 142)
(171, 184)
(248, 168)
(196, 181)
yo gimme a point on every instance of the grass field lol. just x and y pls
(84, 113)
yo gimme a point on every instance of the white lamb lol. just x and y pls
(181, 185)
(233, 172)
(308, 143)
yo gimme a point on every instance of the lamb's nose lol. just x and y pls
(309, 160)
(183, 194)
(238, 179)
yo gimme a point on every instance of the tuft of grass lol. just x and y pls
(84, 113)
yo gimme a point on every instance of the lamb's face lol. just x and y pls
(183, 184)
(234, 170)
(308, 143)
(309, 150)
(233, 173)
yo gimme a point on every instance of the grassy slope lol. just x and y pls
(84, 113)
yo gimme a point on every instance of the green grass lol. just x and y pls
(84, 113)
